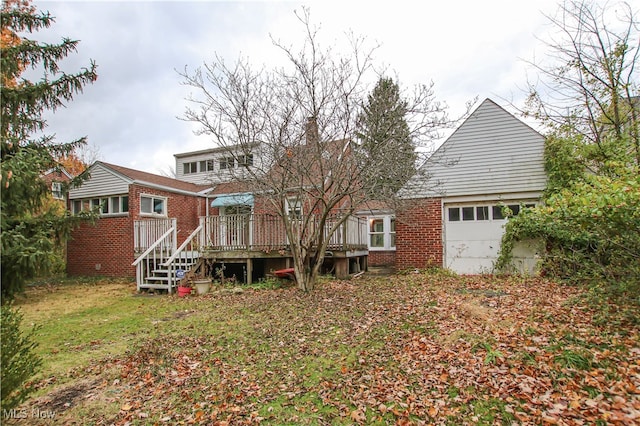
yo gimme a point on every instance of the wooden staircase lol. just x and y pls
(162, 276)
(163, 265)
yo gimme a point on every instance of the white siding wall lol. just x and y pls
(492, 152)
(203, 177)
(101, 183)
(200, 177)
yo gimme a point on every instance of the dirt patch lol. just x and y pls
(68, 396)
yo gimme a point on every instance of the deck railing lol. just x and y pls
(153, 255)
(147, 232)
(186, 254)
(266, 232)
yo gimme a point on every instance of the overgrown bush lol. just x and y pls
(19, 362)
(591, 230)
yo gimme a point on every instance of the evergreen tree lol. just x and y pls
(32, 229)
(386, 146)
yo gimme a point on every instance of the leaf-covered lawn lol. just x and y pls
(408, 349)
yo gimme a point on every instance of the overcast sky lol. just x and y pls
(468, 48)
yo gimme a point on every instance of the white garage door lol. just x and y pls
(473, 233)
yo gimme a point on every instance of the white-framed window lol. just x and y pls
(382, 232)
(119, 204)
(100, 202)
(206, 166)
(76, 206)
(108, 206)
(56, 190)
(153, 205)
(191, 167)
(294, 208)
(227, 163)
(482, 212)
(245, 160)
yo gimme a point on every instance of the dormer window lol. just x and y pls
(227, 163)
(245, 160)
(206, 166)
(191, 167)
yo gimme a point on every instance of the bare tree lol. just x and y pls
(168, 171)
(300, 120)
(588, 83)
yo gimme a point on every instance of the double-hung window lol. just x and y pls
(294, 208)
(382, 232)
(56, 190)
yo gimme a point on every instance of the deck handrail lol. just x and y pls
(186, 242)
(158, 242)
(148, 231)
(266, 232)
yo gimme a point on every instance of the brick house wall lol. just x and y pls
(419, 235)
(187, 209)
(382, 258)
(106, 248)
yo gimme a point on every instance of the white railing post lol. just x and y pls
(174, 243)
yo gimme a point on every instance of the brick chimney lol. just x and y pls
(311, 130)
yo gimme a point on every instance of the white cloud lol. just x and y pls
(467, 48)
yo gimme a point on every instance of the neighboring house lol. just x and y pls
(56, 180)
(135, 207)
(455, 217)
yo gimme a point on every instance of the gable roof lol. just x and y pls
(490, 153)
(150, 179)
(59, 171)
(111, 179)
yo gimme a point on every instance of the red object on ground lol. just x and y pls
(184, 291)
(285, 273)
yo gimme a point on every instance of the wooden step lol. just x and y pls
(156, 278)
(155, 286)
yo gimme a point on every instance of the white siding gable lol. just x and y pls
(492, 152)
(102, 182)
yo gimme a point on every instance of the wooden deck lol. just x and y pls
(246, 246)
(266, 234)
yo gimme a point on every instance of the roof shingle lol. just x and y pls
(144, 177)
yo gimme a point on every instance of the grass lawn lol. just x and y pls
(419, 348)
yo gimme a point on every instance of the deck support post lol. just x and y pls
(342, 268)
(249, 270)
